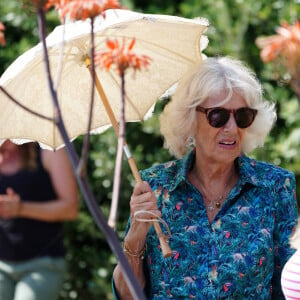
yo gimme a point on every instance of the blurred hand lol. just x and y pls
(10, 204)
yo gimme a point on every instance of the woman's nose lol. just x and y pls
(231, 124)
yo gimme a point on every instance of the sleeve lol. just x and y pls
(286, 215)
(114, 291)
(146, 290)
(145, 177)
(115, 294)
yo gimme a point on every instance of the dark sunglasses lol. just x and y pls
(218, 116)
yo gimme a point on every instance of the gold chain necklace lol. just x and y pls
(214, 202)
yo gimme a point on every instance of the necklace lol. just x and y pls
(214, 202)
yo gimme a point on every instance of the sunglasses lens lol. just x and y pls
(218, 117)
(244, 117)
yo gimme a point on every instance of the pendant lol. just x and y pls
(211, 207)
(218, 204)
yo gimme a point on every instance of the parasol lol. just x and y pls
(173, 44)
(154, 36)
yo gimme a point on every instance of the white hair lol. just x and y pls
(178, 120)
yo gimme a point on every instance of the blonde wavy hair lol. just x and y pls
(178, 120)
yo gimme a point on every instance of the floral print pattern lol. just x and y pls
(239, 255)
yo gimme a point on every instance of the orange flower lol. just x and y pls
(285, 46)
(58, 4)
(2, 39)
(271, 47)
(111, 4)
(82, 9)
(121, 56)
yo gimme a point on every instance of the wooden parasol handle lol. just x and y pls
(163, 239)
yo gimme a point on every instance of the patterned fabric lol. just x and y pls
(241, 254)
(290, 279)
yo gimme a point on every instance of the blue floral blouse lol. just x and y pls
(239, 255)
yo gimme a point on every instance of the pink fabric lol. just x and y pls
(290, 278)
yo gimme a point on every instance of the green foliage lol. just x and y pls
(89, 259)
(235, 24)
(21, 31)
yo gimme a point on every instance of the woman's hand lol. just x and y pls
(143, 206)
(10, 204)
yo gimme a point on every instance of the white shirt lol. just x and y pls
(290, 277)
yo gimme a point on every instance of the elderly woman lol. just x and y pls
(230, 216)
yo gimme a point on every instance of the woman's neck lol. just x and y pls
(209, 176)
(210, 172)
(214, 182)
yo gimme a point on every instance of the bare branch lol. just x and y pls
(25, 107)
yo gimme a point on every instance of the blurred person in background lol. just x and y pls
(38, 191)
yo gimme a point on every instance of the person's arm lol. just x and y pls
(286, 214)
(65, 207)
(143, 199)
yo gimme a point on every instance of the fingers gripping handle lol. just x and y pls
(163, 239)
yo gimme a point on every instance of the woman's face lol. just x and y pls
(8, 150)
(224, 144)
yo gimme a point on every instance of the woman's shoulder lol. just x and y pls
(265, 170)
(163, 171)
